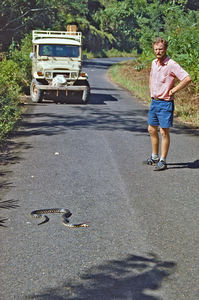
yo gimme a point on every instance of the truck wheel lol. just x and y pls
(85, 94)
(35, 93)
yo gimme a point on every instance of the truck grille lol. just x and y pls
(67, 75)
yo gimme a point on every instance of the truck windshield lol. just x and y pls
(59, 50)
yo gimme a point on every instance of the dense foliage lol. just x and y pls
(10, 81)
(124, 25)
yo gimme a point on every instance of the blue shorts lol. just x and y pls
(161, 113)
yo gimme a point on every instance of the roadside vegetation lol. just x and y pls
(110, 28)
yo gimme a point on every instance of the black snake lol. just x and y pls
(41, 213)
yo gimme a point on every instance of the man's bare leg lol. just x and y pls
(153, 131)
(165, 133)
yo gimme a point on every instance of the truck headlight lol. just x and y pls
(73, 74)
(48, 75)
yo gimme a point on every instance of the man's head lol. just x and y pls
(160, 47)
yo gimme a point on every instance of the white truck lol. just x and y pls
(57, 67)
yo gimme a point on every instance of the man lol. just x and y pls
(164, 71)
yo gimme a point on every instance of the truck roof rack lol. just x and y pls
(43, 34)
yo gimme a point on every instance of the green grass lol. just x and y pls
(136, 87)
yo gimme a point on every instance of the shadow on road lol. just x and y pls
(95, 98)
(185, 129)
(7, 204)
(9, 155)
(189, 165)
(10, 151)
(133, 278)
(89, 117)
(101, 98)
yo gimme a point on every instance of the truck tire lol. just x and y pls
(84, 95)
(35, 93)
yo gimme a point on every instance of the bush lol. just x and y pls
(21, 57)
(15, 77)
(10, 81)
(183, 42)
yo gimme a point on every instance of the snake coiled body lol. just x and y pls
(42, 213)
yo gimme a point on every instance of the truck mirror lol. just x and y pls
(32, 55)
(84, 57)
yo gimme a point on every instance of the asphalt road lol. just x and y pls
(142, 241)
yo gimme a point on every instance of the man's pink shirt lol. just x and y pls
(163, 77)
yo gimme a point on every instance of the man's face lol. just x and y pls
(159, 50)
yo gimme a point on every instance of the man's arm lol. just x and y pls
(180, 85)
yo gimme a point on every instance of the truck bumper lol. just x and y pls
(66, 88)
